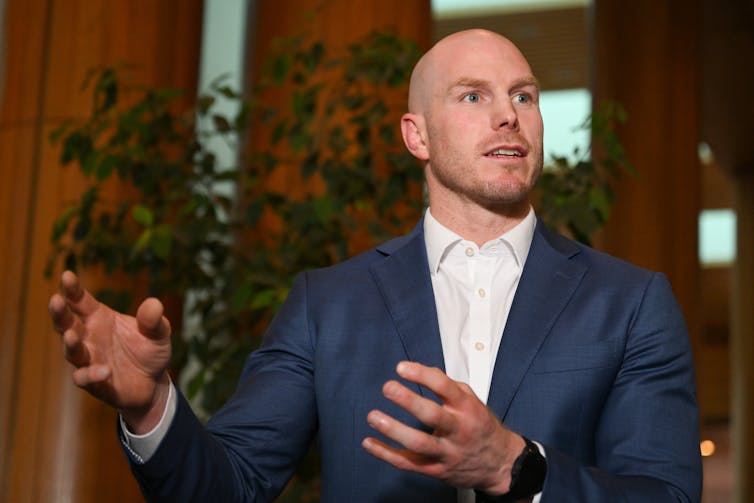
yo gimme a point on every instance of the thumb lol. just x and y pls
(151, 321)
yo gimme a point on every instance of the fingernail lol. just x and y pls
(374, 419)
(388, 390)
(406, 369)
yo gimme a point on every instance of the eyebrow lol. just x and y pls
(468, 82)
(529, 80)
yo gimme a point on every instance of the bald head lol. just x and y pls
(436, 62)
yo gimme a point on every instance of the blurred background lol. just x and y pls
(682, 70)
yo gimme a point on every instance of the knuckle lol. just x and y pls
(466, 388)
(437, 471)
(402, 463)
(435, 372)
(425, 444)
(433, 415)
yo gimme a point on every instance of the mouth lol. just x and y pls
(506, 152)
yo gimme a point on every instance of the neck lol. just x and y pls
(477, 223)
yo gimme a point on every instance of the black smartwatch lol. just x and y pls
(527, 477)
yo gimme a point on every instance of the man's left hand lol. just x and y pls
(468, 447)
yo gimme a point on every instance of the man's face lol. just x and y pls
(483, 124)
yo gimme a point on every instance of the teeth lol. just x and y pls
(502, 151)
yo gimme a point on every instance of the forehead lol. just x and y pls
(484, 57)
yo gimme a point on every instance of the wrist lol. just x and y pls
(527, 476)
(144, 419)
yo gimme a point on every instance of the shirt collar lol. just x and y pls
(439, 240)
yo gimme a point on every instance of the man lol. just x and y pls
(527, 365)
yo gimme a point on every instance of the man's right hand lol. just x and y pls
(119, 359)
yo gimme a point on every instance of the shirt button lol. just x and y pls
(482, 293)
(469, 252)
(479, 346)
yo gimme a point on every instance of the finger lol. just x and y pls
(412, 439)
(151, 321)
(61, 316)
(402, 459)
(80, 301)
(432, 378)
(93, 374)
(75, 349)
(465, 388)
(427, 411)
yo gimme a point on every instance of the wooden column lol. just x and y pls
(727, 52)
(742, 341)
(335, 22)
(646, 58)
(56, 443)
(18, 109)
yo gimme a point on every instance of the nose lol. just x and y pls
(505, 116)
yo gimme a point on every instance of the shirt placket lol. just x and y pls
(480, 273)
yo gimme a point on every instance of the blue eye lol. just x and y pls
(522, 98)
(471, 98)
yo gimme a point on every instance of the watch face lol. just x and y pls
(530, 476)
(486, 498)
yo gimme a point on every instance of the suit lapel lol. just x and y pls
(404, 281)
(548, 281)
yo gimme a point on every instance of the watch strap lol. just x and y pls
(527, 477)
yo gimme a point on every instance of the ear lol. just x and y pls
(414, 135)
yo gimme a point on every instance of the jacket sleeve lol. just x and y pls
(252, 446)
(647, 439)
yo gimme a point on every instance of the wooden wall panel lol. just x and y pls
(650, 65)
(58, 444)
(727, 103)
(14, 208)
(19, 112)
(742, 341)
(335, 23)
(338, 22)
(554, 40)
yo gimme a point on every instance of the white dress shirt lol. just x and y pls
(474, 289)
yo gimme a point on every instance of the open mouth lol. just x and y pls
(505, 152)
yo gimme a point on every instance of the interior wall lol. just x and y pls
(727, 102)
(713, 352)
(56, 443)
(554, 40)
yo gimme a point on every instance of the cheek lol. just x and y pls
(534, 128)
(442, 140)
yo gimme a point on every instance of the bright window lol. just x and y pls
(717, 237)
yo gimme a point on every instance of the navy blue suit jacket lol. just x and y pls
(594, 364)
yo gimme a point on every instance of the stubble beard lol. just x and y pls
(458, 176)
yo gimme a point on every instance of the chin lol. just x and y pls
(507, 193)
(505, 201)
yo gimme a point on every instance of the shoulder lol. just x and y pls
(599, 266)
(410, 246)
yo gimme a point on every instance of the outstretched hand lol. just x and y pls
(119, 359)
(468, 447)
